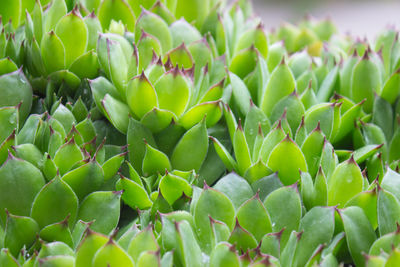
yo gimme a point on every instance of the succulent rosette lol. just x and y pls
(182, 133)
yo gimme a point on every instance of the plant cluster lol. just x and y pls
(181, 133)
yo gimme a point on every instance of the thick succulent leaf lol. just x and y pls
(240, 95)
(174, 187)
(242, 150)
(57, 232)
(243, 239)
(244, 62)
(16, 89)
(20, 181)
(111, 254)
(223, 255)
(8, 122)
(118, 10)
(345, 182)
(365, 81)
(287, 159)
(141, 96)
(86, 250)
(133, 194)
(141, 242)
(85, 179)
(235, 187)
(116, 112)
(95, 205)
(72, 31)
(155, 161)
(391, 88)
(283, 78)
(215, 204)
(20, 231)
(388, 208)
(194, 143)
(53, 52)
(286, 198)
(294, 110)
(56, 191)
(157, 120)
(253, 217)
(359, 233)
(135, 135)
(154, 25)
(86, 66)
(254, 118)
(67, 156)
(318, 226)
(212, 111)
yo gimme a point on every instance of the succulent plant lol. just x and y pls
(182, 133)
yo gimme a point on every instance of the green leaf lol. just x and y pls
(318, 226)
(288, 199)
(6, 259)
(244, 62)
(391, 182)
(391, 88)
(44, 212)
(283, 78)
(194, 143)
(347, 121)
(158, 120)
(388, 208)
(173, 187)
(86, 65)
(20, 231)
(53, 52)
(292, 106)
(72, 31)
(243, 239)
(67, 156)
(135, 135)
(154, 25)
(86, 250)
(141, 242)
(224, 255)
(254, 119)
(287, 159)
(365, 81)
(134, 194)
(141, 96)
(15, 89)
(240, 95)
(274, 137)
(20, 181)
(95, 205)
(118, 10)
(7, 66)
(57, 10)
(345, 182)
(312, 149)
(85, 179)
(359, 233)
(8, 122)
(212, 111)
(116, 112)
(253, 217)
(155, 161)
(57, 232)
(173, 92)
(216, 205)
(241, 149)
(235, 187)
(111, 254)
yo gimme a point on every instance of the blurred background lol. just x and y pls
(361, 18)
